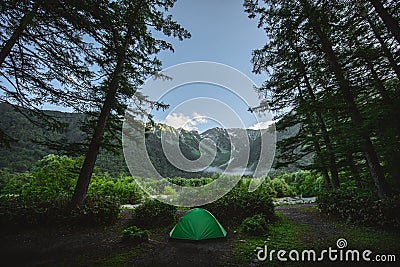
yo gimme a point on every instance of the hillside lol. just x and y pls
(21, 155)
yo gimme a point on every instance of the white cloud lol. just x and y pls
(261, 125)
(199, 118)
(179, 120)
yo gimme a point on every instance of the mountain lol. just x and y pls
(191, 141)
(22, 155)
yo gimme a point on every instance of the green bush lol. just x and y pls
(56, 176)
(133, 234)
(42, 195)
(97, 210)
(254, 225)
(53, 176)
(282, 188)
(191, 182)
(24, 211)
(266, 187)
(168, 190)
(124, 189)
(362, 207)
(153, 213)
(306, 183)
(239, 204)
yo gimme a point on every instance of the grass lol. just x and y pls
(363, 237)
(124, 259)
(288, 235)
(379, 241)
(283, 234)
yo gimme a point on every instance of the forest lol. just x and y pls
(331, 77)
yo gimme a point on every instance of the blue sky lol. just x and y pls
(221, 32)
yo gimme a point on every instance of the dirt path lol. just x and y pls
(323, 228)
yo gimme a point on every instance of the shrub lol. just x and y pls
(19, 210)
(307, 183)
(267, 187)
(255, 225)
(153, 213)
(124, 189)
(42, 195)
(56, 176)
(53, 176)
(282, 188)
(24, 211)
(239, 204)
(97, 210)
(362, 207)
(168, 190)
(135, 235)
(192, 182)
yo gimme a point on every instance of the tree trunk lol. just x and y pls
(25, 20)
(392, 154)
(387, 19)
(94, 146)
(378, 84)
(317, 147)
(321, 124)
(369, 150)
(93, 149)
(354, 170)
(385, 49)
(322, 168)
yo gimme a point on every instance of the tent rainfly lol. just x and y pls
(198, 224)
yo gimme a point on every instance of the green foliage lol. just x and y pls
(56, 176)
(282, 188)
(124, 189)
(168, 190)
(192, 182)
(53, 176)
(22, 211)
(267, 187)
(362, 207)
(153, 213)
(254, 225)
(97, 210)
(14, 183)
(135, 235)
(327, 101)
(307, 183)
(42, 195)
(239, 204)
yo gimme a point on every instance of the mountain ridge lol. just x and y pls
(22, 155)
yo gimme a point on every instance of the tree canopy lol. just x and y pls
(332, 67)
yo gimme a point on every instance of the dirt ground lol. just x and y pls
(102, 246)
(54, 245)
(323, 227)
(96, 245)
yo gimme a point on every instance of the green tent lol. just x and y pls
(197, 224)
